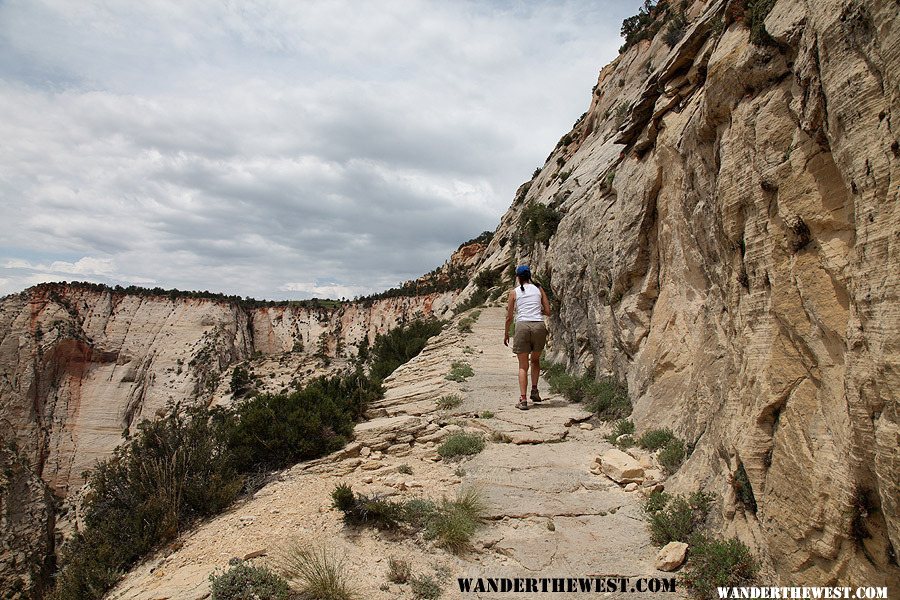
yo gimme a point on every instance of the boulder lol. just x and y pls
(671, 556)
(620, 467)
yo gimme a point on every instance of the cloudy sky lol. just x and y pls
(277, 149)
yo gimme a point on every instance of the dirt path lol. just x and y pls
(549, 514)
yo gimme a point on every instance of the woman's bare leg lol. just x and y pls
(535, 368)
(523, 373)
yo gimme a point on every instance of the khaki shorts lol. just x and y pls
(530, 336)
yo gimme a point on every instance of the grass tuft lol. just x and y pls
(454, 522)
(399, 570)
(318, 572)
(460, 371)
(461, 444)
(424, 587)
(449, 402)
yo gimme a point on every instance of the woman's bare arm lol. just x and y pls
(545, 303)
(510, 313)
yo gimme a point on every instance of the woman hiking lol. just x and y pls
(529, 303)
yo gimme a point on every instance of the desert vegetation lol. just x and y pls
(193, 462)
(606, 397)
(711, 562)
(449, 523)
(460, 371)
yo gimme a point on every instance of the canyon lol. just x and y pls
(719, 230)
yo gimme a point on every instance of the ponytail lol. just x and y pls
(523, 279)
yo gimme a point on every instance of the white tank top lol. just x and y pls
(528, 303)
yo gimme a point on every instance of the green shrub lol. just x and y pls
(623, 442)
(424, 587)
(399, 345)
(417, 512)
(172, 472)
(361, 510)
(487, 279)
(486, 414)
(640, 26)
(539, 222)
(271, 431)
(655, 439)
(318, 572)
(246, 582)
(676, 519)
(187, 465)
(656, 501)
(621, 434)
(405, 469)
(622, 427)
(461, 444)
(449, 402)
(672, 455)
(398, 570)
(342, 498)
(718, 563)
(460, 371)
(608, 398)
(551, 370)
(478, 298)
(465, 325)
(240, 381)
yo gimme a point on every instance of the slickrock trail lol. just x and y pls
(549, 514)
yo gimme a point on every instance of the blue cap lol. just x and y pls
(522, 269)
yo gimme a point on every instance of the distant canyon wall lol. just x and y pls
(78, 367)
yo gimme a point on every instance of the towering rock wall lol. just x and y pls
(728, 244)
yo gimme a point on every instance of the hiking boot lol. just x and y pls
(536, 395)
(522, 404)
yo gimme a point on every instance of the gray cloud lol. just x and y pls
(276, 148)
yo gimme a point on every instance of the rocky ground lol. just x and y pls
(552, 511)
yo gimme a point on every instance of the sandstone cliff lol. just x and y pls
(728, 224)
(80, 365)
(728, 244)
